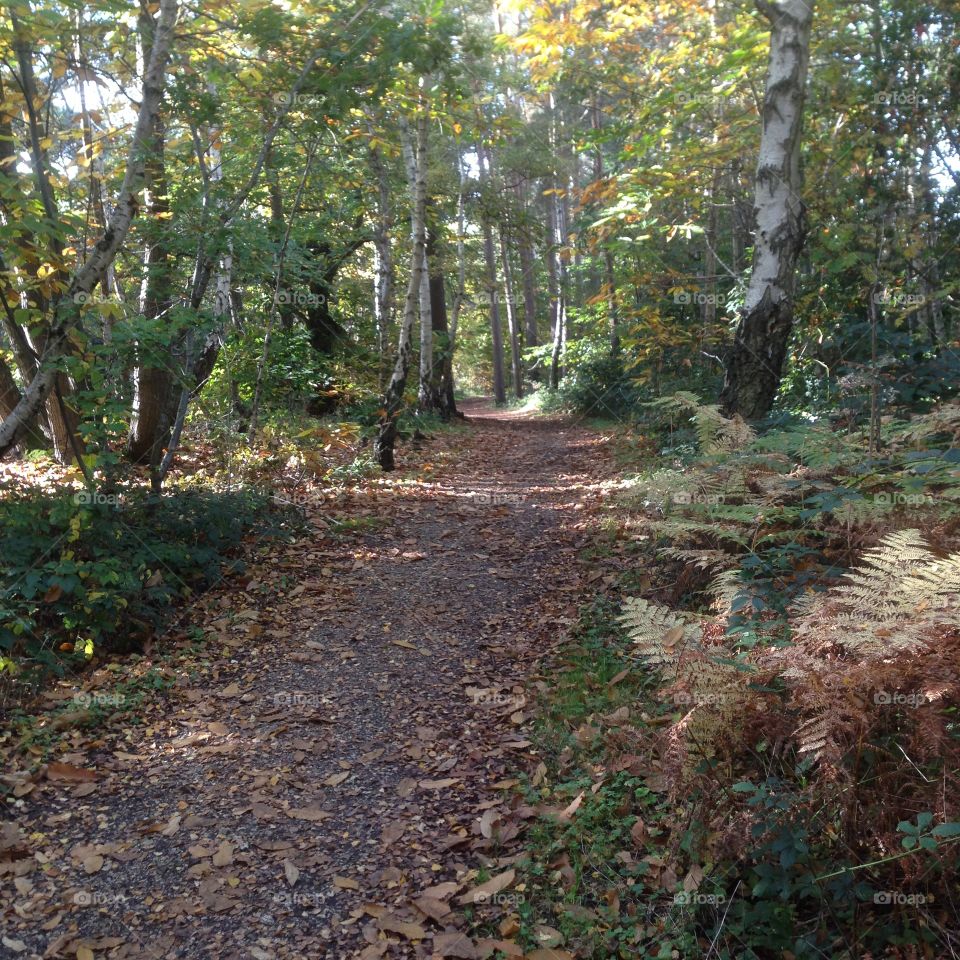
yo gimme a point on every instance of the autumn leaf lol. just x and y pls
(224, 855)
(67, 771)
(486, 890)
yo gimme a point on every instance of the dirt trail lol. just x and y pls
(342, 749)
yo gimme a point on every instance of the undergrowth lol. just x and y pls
(776, 773)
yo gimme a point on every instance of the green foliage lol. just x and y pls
(92, 570)
(596, 382)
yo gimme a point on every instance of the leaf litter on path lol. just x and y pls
(329, 773)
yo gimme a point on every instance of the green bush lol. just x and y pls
(596, 382)
(88, 571)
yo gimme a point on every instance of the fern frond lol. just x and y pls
(890, 602)
(724, 589)
(659, 634)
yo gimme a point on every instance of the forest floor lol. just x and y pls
(328, 772)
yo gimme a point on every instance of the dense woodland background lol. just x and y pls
(252, 249)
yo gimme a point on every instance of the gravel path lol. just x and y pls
(325, 778)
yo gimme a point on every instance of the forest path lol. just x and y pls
(326, 760)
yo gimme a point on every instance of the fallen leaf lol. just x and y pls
(291, 872)
(571, 808)
(393, 832)
(308, 813)
(406, 786)
(487, 821)
(439, 784)
(345, 883)
(67, 771)
(488, 889)
(224, 855)
(455, 944)
(391, 924)
(435, 909)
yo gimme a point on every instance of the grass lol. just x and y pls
(585, 875)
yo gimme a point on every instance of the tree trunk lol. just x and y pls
(558, 271)
(553, 286)
(393, 397)
(531, 336)
(383, 266)
(755, 364)
(427, 401)
(66, 309)
(517, 367)
(153, 382)
(461, 293)
(442, 379)
(60, 419)
(496, 330)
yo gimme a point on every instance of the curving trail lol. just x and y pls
(314, 783)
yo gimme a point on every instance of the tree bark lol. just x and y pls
(755, 363)
(383, 265)
(553, 285)
(442, 385)
(393, 396)
(531, 336)
(153, 379)
(496, 330)
(60, 419)
(517, 367)
(427, 401)
(461, 294)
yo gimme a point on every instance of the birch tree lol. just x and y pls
(393, 397)
(754, 366)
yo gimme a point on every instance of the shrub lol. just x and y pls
(82, 572)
